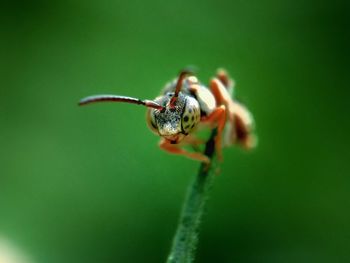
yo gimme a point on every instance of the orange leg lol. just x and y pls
(225, 79)
(217, 119)
(220, 93)
(240, 121)
(223, 97)
(193, 140)
(176, 149)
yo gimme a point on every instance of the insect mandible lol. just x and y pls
(186, 105)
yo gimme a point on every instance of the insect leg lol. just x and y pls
(194, 141)
(225, 79)
(239, 120)
(176, 149)
(217, 118)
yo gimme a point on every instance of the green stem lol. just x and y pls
(186, 236)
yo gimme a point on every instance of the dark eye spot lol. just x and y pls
(186, 118)
(153, 125)
(192, 118)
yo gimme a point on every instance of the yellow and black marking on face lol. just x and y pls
(181, 119)
(168, 120)
(191, 115)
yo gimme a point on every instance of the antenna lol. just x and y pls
(116, 98)
(184, 73)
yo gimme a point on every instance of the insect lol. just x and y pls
(185, 105)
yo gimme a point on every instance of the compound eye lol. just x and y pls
(154, 125)
(190, 118)
(151, 121)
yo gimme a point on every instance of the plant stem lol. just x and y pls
(186, 236)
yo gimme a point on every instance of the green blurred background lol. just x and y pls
(90, 184)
